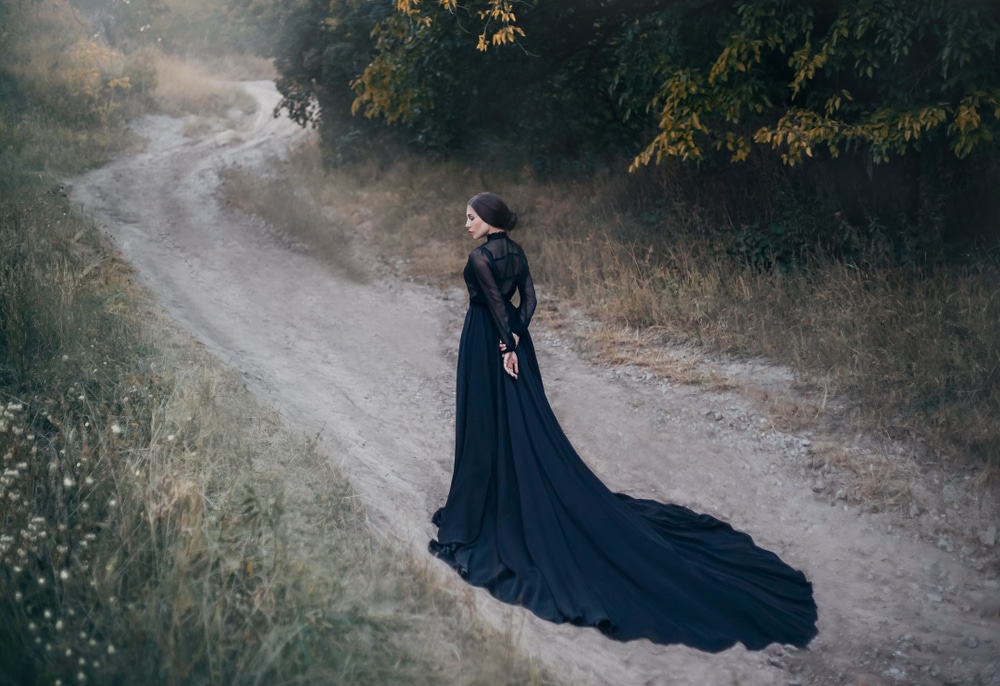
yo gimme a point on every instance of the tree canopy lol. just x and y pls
(794, 75)
(912, 82)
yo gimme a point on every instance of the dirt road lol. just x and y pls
(370, 365)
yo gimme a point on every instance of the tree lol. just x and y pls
(885, 76)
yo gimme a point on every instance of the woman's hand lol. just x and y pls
(510, 364)
(503, 346)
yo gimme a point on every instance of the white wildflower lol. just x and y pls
(82, 398)
(14, 407)
(170, 438)
(68, 481)
(59, 625)
(89, 481)
(64, 575)
(111, 649)
(116, 429)
(48, 615)
(65, 358)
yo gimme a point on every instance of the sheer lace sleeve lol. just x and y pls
(527, 307)
(481, 263)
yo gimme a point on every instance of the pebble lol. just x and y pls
(988, 537)
(896, 673)
(934, 597)
(971, 642)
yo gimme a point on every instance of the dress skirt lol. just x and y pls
(526, 519)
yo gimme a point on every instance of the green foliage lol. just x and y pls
(879, 75)
(673, 78)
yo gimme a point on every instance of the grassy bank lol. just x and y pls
(913, 352)
(158, 524)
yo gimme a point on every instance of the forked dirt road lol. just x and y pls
(371, 365)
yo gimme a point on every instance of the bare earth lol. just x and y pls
(904, 597)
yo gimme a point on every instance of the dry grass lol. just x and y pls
(294, 215)
(191, 86)
(65, 96)
(916, 353)
(160, 526)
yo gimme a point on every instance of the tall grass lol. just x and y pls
(159, 526)
(187, 86)
(915, 352)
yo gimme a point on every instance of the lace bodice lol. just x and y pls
(496, 270)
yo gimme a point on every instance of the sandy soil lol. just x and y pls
(370, 366)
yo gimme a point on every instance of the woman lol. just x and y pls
(526, 519)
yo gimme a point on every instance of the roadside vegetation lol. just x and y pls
(158, 524)
(913, 352)
(811, 182)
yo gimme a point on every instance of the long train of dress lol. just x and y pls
(526, 519)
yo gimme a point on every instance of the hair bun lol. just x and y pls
(511, 221)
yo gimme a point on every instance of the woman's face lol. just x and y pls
(474, 224)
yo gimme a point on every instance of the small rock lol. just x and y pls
(841, 494)
(805, 443)
(819, 487)
(944, 543)
(895, 673)
(971, 642)
(934, 597)
(988, 537)
(914, 511)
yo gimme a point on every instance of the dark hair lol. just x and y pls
(494, 211)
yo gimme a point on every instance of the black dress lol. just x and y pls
(526, 519)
